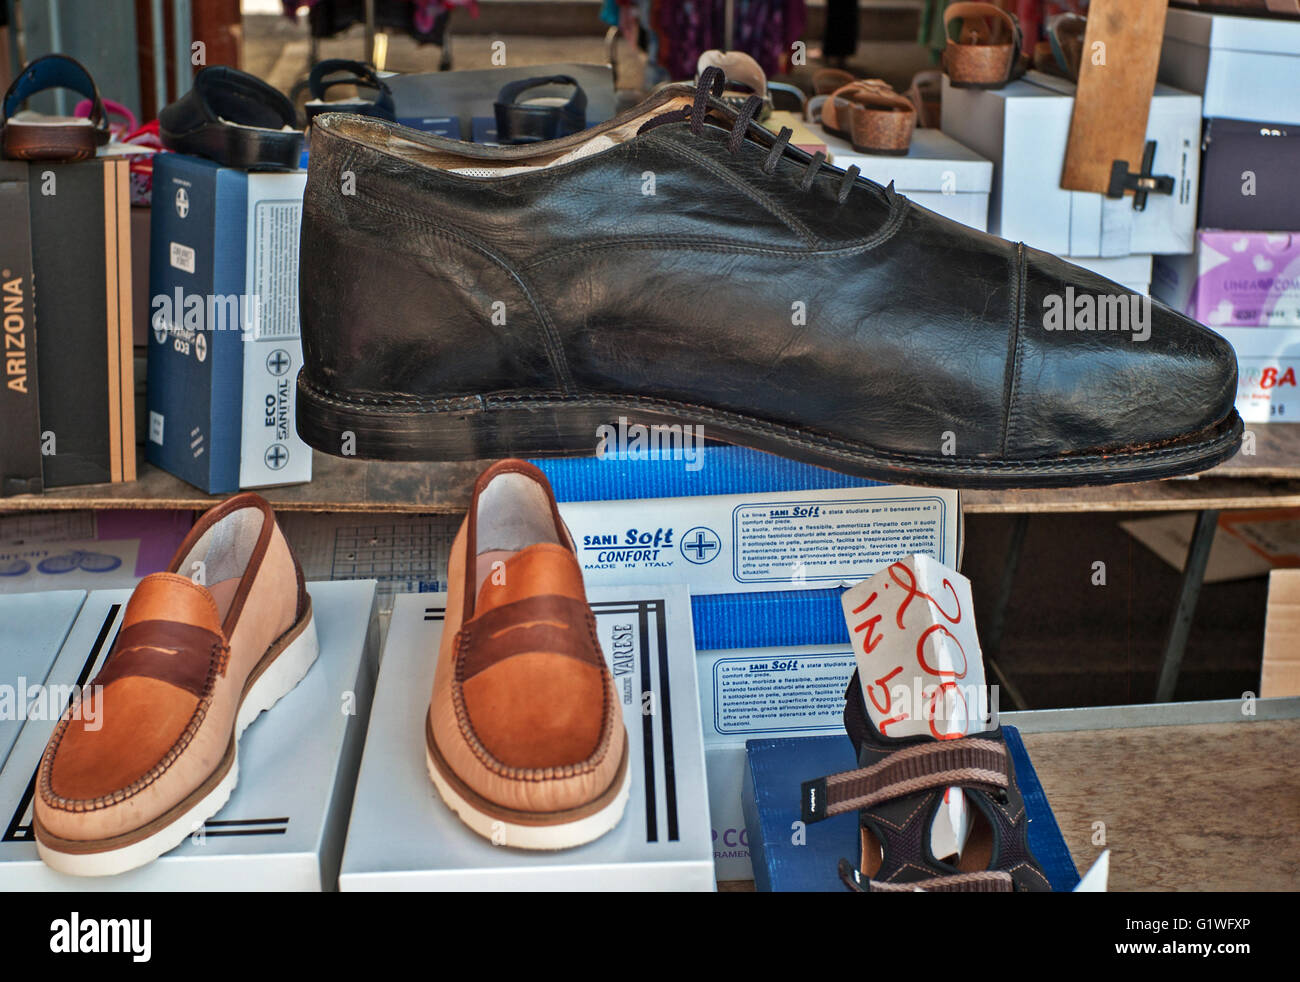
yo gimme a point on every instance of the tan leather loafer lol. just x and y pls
(524, 735)
(191, 667)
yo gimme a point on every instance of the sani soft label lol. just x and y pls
(737, 543)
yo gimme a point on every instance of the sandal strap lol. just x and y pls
(984, 881)
(525, 123)
(964, 762)
(345, 71)
(54, 71)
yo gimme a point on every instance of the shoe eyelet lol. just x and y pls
(1001, 796)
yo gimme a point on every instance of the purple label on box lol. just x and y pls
(1248, 279)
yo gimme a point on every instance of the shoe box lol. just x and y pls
(65, 298)
(1131, 272)
(224, 340)
(1279, 675)
(283, 826)
(35, 626)
(1248, 172)
(1236, 279)
(766, 546)
(403, 837)
(937, 173)
(791, 856)
(1244, 67)
(1023, 129)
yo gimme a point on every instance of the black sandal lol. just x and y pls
(539, 119)
(897, 791)
(235, 119)
(360, 74)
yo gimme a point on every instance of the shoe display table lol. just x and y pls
(1137, 780)
(1173, 818)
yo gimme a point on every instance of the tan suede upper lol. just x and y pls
(157, 741)
(523, 711)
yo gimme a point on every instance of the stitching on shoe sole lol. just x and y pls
(824, 445)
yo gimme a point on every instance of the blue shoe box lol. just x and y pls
(770, 800)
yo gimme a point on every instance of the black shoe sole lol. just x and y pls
(493, 426)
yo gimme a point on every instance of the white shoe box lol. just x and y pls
(936, 173)
(1023, 128)
(33, 627)
(1131, 272)
(749, 694)
(1244, 67)
(283, 827)
(1268, 369)
(403, 837)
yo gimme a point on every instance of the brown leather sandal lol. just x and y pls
(29, 135)
(983, 50)
(1062, 53)
(871, 116)
(827, 80)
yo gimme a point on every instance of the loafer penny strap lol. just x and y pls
(965, 762)
(987, 881)
(531, 123)
(548, 622)
(55, 72)
(179, 654)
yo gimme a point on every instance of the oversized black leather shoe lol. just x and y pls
(680, 264)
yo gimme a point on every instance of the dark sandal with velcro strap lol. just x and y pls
(983, 47)
(29, 135)
(362, 75)
(235, 119)
(540, 118)
(897, 791)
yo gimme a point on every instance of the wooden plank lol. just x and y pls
(1113, 99)
(1206, 807)
(420, 488)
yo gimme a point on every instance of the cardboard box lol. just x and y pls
(785, 862)
(936, 173)
(1023, 129)
(1244, 67)
(1268, 365)
(81, 260)
(1235, 279)
(20, 437)
(1280, 674)
(1248, 175)
(35, 626)
(283, 826)
(225, 345)
(1131, 272)
(764, 543)
(403, 837)
(761, 692)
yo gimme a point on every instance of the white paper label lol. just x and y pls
(922, 673)
(182, 257)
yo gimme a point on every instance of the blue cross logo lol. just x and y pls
(701, 545)
(278, 362)
(276, 456)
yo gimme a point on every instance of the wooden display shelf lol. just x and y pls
(1270, 478)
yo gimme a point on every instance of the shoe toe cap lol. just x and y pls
(1098, 368)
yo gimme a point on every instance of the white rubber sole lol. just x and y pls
(539, 837)
(279, 679)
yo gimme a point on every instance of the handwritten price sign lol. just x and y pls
(919, 659)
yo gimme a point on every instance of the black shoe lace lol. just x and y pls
(711, 85)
